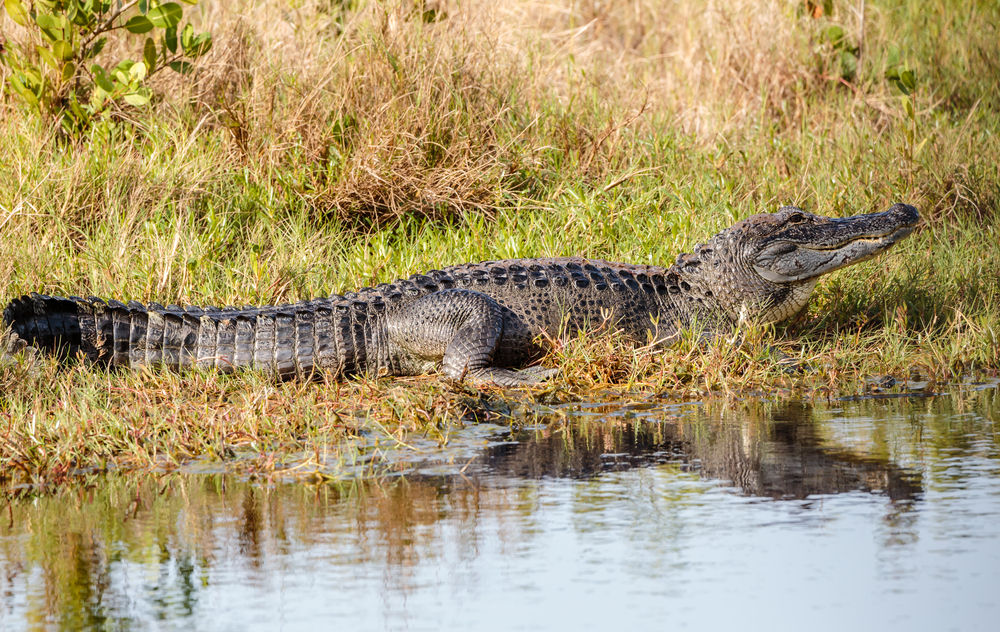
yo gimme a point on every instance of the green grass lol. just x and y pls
(321, 149)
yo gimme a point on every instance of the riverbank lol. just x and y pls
(320, 148)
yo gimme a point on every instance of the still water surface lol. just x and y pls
(827, 515)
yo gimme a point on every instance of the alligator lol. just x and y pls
(480, 322)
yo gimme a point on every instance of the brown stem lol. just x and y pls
(107, 24)
(166, 62)
(861, 40)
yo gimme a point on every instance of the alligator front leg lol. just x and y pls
(458, 330)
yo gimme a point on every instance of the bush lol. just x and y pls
(54, 70)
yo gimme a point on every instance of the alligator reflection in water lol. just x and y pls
(778, 453)
(216, 552)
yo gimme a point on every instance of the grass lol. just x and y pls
(324, 146)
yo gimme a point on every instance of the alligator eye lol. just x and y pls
(796, 218)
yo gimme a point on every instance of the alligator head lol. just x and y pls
(766, 266)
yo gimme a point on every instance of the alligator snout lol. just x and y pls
(904, 214)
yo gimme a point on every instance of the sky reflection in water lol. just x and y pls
(870, 514)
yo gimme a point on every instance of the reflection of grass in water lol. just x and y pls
(325, 149)
(178, 528)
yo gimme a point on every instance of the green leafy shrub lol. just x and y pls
(56, 71)
(844, 50)
(901, 77)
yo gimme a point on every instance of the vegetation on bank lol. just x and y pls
(319, 147)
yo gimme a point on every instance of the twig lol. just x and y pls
(611, 130)
(631, 175)
(106, 26)
(847, 83)
(861, 38)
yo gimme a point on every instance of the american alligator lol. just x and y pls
(478, 321)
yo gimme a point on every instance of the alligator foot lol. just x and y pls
(541, 373)
(789, 365)
(495, 376)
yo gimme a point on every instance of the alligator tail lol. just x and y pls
(46, 323)
(296, 339)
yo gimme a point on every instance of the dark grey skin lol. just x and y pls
(478, 321)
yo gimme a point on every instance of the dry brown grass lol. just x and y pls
(620, 130)
(374, 110)
(368, 111)
(377, 112)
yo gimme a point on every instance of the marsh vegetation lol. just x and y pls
(322, 146)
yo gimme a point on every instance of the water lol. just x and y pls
(871, 514)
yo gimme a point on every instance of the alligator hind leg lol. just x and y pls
(459, 330)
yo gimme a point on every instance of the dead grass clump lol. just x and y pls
(373, 111)
(366, 111)
(383, 109)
